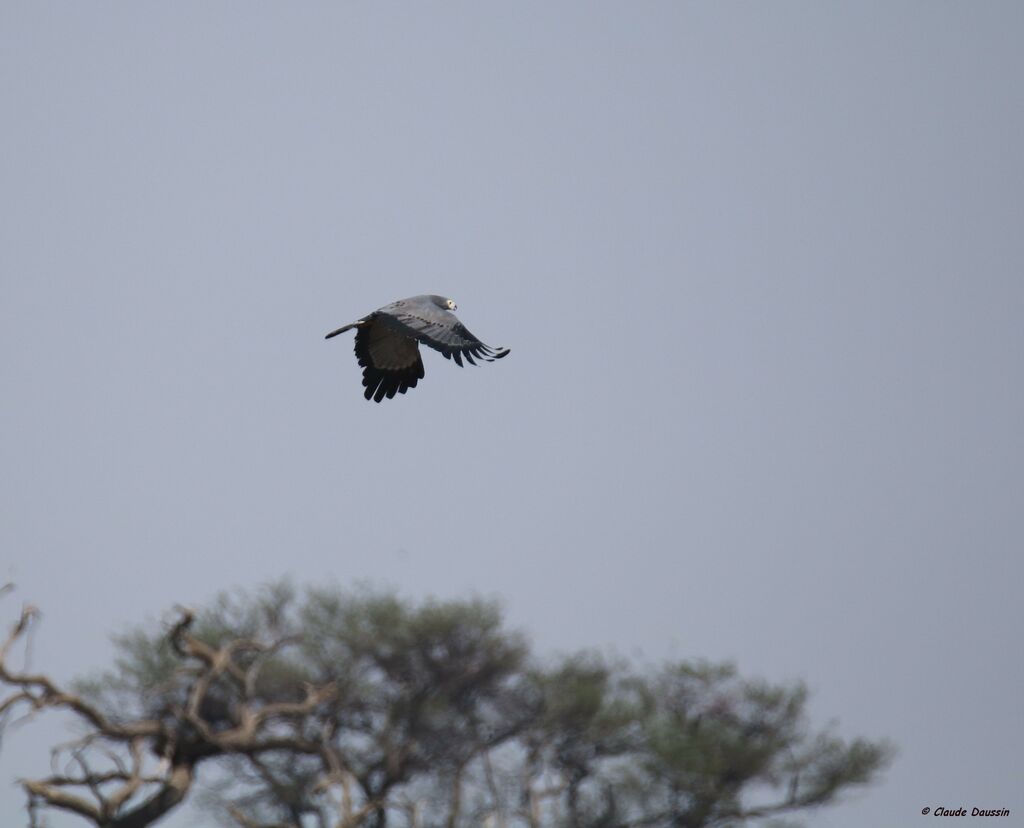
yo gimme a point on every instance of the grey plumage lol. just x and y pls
(387, 343)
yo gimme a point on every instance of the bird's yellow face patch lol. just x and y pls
(450, 304)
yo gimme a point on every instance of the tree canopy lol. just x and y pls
(337, 709)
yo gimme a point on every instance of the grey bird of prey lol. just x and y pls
(387, 343)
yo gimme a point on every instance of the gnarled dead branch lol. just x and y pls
(129, 773)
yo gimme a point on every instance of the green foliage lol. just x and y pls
(440, 709)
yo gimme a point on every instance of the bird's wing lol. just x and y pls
(390, 359)
(440, 329)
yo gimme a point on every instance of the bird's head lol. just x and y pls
(443, 302)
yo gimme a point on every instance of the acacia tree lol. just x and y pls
(338, 710)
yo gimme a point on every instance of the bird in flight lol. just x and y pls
(387, 343)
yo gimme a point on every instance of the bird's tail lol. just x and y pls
(346, 328)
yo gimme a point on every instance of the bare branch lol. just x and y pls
(246, 822)
(115, 787)
(40, 692)
(53, 795)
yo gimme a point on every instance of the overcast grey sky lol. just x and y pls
(761, 267)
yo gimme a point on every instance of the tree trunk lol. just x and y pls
(173, 792)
